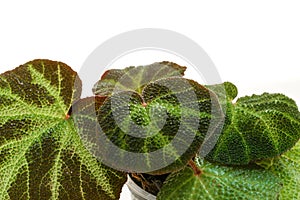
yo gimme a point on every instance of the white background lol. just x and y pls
(254, 44)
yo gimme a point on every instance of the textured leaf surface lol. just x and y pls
(41, 154)
(287, 168)
(256, 127)
(172, 115)
(225, 91)
(220, 182)
(135, 78)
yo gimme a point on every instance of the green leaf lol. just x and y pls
(257, 127)
(220, 182)
(41, 153)
(169, 119)
(226, 90)
(135, 78)
(287, 168)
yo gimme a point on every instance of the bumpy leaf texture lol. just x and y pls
(153, 111)
(160, 119)
(256, 127)
(287, 168)
(41, 153)
(220, 182)
(135, 78)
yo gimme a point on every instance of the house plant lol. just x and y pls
(55, 145)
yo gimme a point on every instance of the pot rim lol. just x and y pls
(138, 191)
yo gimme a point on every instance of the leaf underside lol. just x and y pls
(257, 127)
(220, 182)
(41, 154)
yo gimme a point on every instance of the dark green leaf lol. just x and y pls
(170, 117)
(220, 182)
(135, 78)
(257, 127)
(41, 154)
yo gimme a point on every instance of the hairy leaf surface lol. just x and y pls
(135, 78)
(287, 168)
(256, 127)
(225, 91)
(220, 182)
(41, 154)
(169, 119)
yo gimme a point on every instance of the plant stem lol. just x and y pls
(196, 169)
